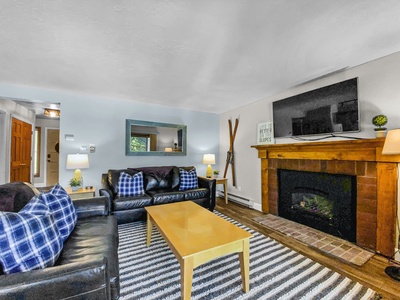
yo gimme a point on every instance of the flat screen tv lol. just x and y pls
(331, 109)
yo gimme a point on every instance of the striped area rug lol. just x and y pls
(276, 272)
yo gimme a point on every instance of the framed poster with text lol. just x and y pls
(265, 133)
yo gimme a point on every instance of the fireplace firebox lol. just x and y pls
(326, 202)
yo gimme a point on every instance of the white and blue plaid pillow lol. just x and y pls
(60, 204)
(30, 239)
(129, 186)
(188, 179)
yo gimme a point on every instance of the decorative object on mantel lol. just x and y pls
(392, 147)
(265, 133)
(230, 158)
(379, 121)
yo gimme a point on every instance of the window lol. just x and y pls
(140, 143)
(36, 154)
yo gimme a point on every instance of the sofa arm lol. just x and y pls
(89, 207)
(87, 280)
(106, 189)
(108, 194)
(210, 184)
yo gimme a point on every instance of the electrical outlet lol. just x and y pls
(239, 188)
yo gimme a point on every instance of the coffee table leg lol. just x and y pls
(244, 265)
(149, 229)
(186, 277)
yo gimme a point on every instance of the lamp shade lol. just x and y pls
(209, 159)
(392, 142)
(77, 161)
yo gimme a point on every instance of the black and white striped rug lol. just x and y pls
(276, 272)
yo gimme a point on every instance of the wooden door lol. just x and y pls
(52, 156)
(21, 141)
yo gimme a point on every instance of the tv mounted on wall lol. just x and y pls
(331, 109)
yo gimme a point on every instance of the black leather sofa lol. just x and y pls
(161, 186)
(87, 267)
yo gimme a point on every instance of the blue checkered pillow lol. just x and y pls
(129, 186)
(30, 239)
(188, 179)
(60, 204)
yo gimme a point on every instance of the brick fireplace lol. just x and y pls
(376, 177)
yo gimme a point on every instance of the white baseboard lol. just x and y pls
(397, 255)
(257, 206)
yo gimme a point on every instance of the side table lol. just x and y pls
(81, 193)
(223, 181)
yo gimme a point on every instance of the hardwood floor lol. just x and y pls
(371, 274)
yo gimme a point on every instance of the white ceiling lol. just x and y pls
(205, 55)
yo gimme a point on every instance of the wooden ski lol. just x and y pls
(230, 157)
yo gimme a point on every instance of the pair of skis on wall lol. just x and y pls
(230, 157)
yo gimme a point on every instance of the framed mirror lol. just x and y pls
(152, 138)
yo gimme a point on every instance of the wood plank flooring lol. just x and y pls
(371, 274)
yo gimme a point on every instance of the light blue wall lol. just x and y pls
(101, 121)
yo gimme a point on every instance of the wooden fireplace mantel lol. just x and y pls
(355, 153)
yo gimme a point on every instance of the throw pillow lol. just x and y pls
(129, 186)
(188, 179)
(30, 239)
(60, 204)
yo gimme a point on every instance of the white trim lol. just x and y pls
(257, 206)
(45, 156)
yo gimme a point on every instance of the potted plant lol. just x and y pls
(216, 173)
(75, 183)
(379, 121)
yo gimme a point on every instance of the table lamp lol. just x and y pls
(209, 159)
(78, 162)
(391, 147)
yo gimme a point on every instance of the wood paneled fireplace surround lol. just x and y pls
(376, 175)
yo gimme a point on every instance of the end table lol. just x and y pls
(81, 193)
(223, 181)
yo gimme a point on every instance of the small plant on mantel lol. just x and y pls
(379, 121)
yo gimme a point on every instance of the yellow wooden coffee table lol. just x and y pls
(195, 235)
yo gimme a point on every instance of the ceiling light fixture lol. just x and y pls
(52, 113)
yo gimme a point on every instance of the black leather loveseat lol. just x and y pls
(87, 267)
(161, 186)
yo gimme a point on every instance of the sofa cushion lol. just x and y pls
(196, 193)
(156, 178)
(188, 179)
(124, 203)
(60, 204)
(129, 185)
(113, 178)
(30, 239)
(14, 196)
(166, 196)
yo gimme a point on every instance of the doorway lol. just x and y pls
(52, 156)
(21, 141)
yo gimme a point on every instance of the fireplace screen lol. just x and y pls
(313, 204)
(326, 202)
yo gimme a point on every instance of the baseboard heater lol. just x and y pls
(237, 199)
